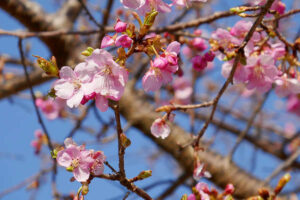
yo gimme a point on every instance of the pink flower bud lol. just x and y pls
(160, 128)
(120, 26)
(198, 32)
(107, 41)
(209, 56)
(199, 63)
(199, 44)
(229, 189)
(124, 41)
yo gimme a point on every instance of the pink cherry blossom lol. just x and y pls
(77, 160)
(98, 166)
(293, 104)
(203, 190)
(229, 189)
(152, 80)
(262, 72)
(160, 128)
(124, 41)
(109, 79)
(144, 6)
(277, 5)
(186, 2)
(241, 28)
(171, 54)
(199, 44)
(50, 107)
(38, 142)
(241, 73)
(199, 63)
(182, 90)
(286, 86)
(74, 85)
(120, 26)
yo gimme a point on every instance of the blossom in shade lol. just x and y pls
(199, 44)
(286, 86)
(182, 90)
(160, 128)
(152, 80)
(144, 6)
(293, 104)
(277, 5)
(109, 79)
(262, 72)
(50, 107)
(120, 26)
(74, 85)
(241, 73)
(186, 2)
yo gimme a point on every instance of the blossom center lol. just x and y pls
(258, 72)
(75, 163)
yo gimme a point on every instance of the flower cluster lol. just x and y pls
(258, 70)
(201, 191)
(80, 161)
(99, 78)
(122, 40)
(162, 68)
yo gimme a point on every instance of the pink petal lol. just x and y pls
(101, 103)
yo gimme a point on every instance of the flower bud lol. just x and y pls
(144, 174)
(229, 189)
(85, 189)
(120, 26)
(49, 67)
(87, 52)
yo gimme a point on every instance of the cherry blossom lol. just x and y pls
(38, 142)
(293, 104)
(80, 161)
(262, 72)
(186, 2)
(200, 172)
(76, 160)
(241, 73)
(74, 85)
(160, 128)
(144, 6)
(182, 90)
(203, 190)
(286, 86)
(277, 5)
(109, 79)
(199, 44)
(124, 41)
(50, 107)
(98, 166)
